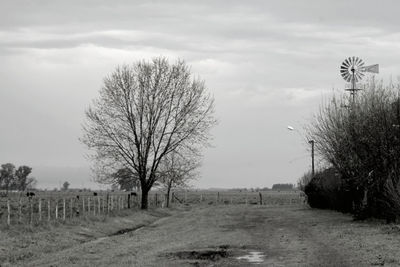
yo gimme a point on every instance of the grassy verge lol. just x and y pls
(22, 242)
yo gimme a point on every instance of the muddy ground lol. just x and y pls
(225, 235)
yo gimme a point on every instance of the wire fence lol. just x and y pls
(232, 197)
(35, 209)
(17, 208)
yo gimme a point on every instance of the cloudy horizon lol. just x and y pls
(269, 64)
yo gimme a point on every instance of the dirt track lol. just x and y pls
(218, 235)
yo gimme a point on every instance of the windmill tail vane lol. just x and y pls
(372, 69)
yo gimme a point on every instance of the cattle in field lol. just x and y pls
(133, 194)
(95, 194)
(30, 194)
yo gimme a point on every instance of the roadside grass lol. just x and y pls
(293, 234)
(22, 242)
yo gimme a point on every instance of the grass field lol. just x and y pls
(48, 206)
(207, 235)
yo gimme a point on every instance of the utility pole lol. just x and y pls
(290, 128)
(312, 157)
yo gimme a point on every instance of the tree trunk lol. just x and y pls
(168, 192)
(145, 196)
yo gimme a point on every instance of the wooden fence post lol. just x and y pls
(40, 209)
(260, 198)
(64, 209)
(201, 198)
(83, 205)
(30, 210)
(48, 209)
(20, 210)
(107, 204)
(98, 202)
(88, 205)
(8, 213)
(56, 209)
(71, 208)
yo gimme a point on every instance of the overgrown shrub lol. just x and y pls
(326, 191)
(361, 140)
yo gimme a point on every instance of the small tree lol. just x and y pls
(21, 177)
(65, 186)
(126, 179)
(304, 180)
(144, 112)
(7, 176)
(177, 170)
(31, 183)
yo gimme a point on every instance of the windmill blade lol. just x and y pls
(359, 76)
(347, 77)
(344, 71)
(372, 68)
(345, 74)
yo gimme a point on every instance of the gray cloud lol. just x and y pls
(268, 63)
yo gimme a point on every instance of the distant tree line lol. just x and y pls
(360, 142)
(283, 187)
(12, 178)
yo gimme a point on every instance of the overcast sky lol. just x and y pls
(269, 64)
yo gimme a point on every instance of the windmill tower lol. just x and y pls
(353, 70)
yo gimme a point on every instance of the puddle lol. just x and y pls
(127, 230)
(253, 257)
(213, 255)
(202, 255)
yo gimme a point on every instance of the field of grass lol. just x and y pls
(49, 206)
(206, 235)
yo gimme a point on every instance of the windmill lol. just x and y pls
(353, 70)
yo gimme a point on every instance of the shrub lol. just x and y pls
(362, 143)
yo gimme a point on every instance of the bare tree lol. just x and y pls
(144, 112)
(176, 170)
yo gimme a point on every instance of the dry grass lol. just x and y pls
(205, 235)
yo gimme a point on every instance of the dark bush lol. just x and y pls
(326, 191)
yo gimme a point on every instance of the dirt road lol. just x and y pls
(226, 235)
